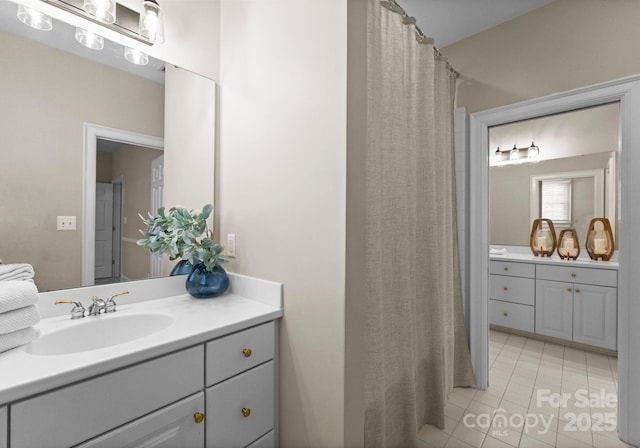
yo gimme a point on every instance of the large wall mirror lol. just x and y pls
(572, 179)
(66, 108)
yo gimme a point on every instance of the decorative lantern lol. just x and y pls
(600, 244)
(568, 245)
(543, 238)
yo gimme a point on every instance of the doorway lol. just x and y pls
(627, 93)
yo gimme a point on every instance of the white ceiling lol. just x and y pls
(449, 21)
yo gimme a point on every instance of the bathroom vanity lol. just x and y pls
(206, 378)
(570, 300)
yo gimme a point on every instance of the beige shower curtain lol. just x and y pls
(417, 344)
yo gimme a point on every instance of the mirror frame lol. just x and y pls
(626, 91)
(92, 132)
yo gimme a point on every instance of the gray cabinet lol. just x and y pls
(573, 303)
(4, 430)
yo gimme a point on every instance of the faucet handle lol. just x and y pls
(97, 306)
(110, 305)
(77, 311)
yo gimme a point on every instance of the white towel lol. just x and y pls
(19, 271)
(17, 338)
(16, 294)
(19, 319)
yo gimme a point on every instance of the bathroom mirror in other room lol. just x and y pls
(573, 179)
(51, 89)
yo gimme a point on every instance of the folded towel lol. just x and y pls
(498, 251)
(18, 319)
(17, 338)
(19, 271)
(16, 294)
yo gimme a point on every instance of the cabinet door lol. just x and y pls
(595, 315)
(173, 426)
(554, 309)
(3, 428)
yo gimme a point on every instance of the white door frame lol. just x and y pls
(92, 132)
(627, 92)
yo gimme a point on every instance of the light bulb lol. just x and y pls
(104, 10)
(498, 155)
(34, 19)
(135, 56)
(151, 22)
(533, 151)
(514, 154)
(89, 39)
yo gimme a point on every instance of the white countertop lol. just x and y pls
(195, 321)
(524, 254)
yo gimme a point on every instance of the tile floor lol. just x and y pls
(541, 395)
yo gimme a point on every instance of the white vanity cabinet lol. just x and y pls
(555, 298)
(220, 393)
(584, 310)
(3, 427)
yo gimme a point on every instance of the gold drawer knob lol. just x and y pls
(505, 314)
(577, 290)
(246, 352)
(569, 289)
(573, 274)
(506, 289)
(246, 412)
(198, 418)
(506, 268)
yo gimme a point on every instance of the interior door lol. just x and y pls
(104, 230)
(157, 187)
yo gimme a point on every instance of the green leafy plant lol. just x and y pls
(182, 233)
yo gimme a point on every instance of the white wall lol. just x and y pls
(282, 190)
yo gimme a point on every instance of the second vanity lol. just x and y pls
(207, 376)
(570, 300)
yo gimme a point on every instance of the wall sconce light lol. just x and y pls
(136, 56)
(103, 10)
(517, 155)
(152, 22)
(89, 39)
(34, 19)
(146, 27)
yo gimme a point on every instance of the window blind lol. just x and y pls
(555, 200)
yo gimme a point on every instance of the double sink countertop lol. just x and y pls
(251, 302)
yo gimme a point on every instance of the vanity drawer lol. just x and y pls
(512, 289)
(512, 269)
(511, 315)
(238, 352)
(589, 276)
(227, 426)
(266, 441)
(77, 413)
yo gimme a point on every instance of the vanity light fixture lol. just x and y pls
(136, 56)
(89, 39)
(34, 19)
(517, 155)
(152, 22)
(103, 10)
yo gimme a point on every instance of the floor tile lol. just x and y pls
(433, 437)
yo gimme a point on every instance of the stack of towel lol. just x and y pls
(18, 309)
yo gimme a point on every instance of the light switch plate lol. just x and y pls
(231, 245)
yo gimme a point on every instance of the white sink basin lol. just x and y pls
(94, 333)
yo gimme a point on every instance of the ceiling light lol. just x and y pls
(152, 22)
(103, 10)
(533, 152)
(89, 39)
(34, 19)
(135, 56)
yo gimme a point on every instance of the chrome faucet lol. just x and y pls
(77, 311)
(110, 305)
(97, 307)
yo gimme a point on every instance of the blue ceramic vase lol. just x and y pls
(203, 284)
(183, 267)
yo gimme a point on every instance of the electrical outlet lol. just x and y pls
(231, 245)
(66, 223)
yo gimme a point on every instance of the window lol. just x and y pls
(555, 200)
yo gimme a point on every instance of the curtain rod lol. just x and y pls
(422, 38)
